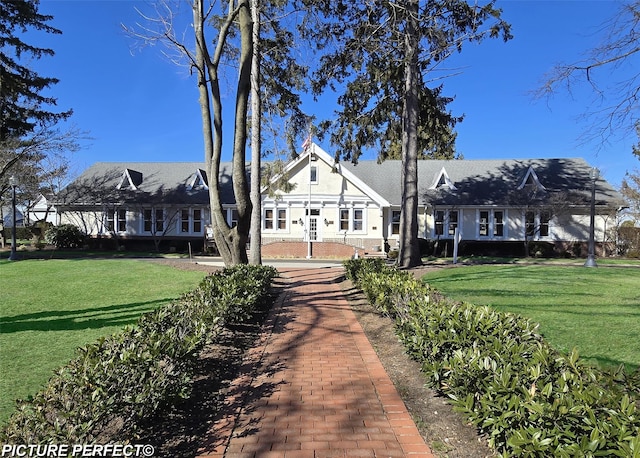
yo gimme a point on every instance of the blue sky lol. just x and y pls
(137, 106)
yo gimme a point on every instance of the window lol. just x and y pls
(439, 222)
(147, 220)
(484, 223)
(352, 219)
(313, 174)
(491, 223)
(159, 220)
(344, 220)
(268, 218)
(530, 223)
(282, 219)
(275, 219)
(110, 223)
(498, 223)
(191, 220)
(545, 216)
(153, 220)
(358, 218)
(445, 222)
(537, 224)
(453, 222)
(184, 220)
(122, 220)
(197, 220)
(395, 222)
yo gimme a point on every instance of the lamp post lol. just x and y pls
(591, 257)
(13, 182)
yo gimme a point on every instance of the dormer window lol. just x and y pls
(130, 180)
(198, 180)
(443, 180)
(531, 180)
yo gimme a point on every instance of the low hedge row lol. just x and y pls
(118, 381)
(527, 398)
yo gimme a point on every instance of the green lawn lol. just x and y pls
(48, 308)
(596, 310)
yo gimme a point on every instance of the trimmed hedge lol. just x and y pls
(65, 236)
(120, 380)
(527, 398)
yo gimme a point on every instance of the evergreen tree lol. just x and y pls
(377, 54)
(22, 105)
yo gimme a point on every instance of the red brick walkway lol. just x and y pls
(313, 386)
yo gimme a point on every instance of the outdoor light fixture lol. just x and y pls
(591, 257)
(13, 182)
(301, 222)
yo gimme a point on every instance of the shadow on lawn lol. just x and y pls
(73, 320)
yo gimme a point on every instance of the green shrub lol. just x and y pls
(496, 368)
(120, 380)
(65, 236)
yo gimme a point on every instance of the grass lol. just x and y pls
(48, 308)
(594, 310)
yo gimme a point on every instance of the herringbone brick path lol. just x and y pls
(313, 386)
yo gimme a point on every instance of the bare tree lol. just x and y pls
(614, 109)
(206, 61)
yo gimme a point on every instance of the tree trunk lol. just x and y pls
(255, 253)
(230, 241)
(240, 233)
(409, 250)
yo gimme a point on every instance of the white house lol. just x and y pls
(336, 208)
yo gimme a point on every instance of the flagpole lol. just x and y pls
(310, 147)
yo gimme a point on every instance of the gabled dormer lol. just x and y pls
(531, 180)
(130, 180)
(442, 181)
(198, 181)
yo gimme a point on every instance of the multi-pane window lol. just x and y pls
(122, 220)
(484, 223)
(439, 222)
(537, 223)
(351, 219)
(191, 220)
(545, 217)
(282, 219)
(159, 214)
(197, 220)
(344, 220)
(453, 222)
(445, 222)
(491, 223)
(313, 174)
(358, 219)
(147, 217)
(395, 222)
(153, 220)
(116, 220)
(498, 223)
(268, 218)
(530, 223)
(275, 219)
(184, 220)
(110, 222)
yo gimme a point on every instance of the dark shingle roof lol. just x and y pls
(484, 182)
(476, 182)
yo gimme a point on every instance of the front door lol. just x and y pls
(313, 232)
